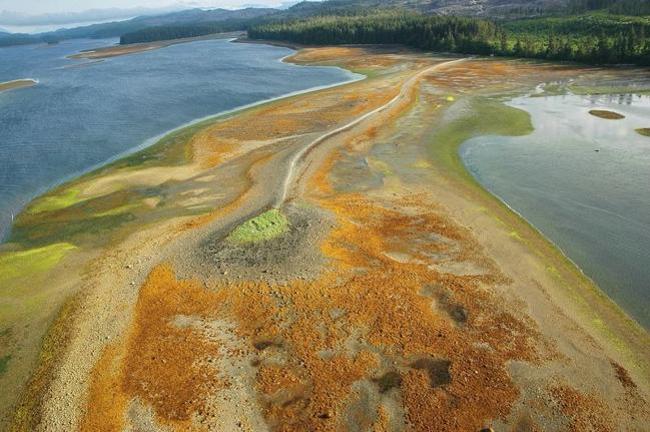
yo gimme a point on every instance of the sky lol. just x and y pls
(35, 14)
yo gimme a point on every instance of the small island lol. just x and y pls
(643, 131)
(608, 115)
(16, 84)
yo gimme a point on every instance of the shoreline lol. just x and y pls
(619, 309)
(461, 184)
(127, 49)
(353, 77)
(567, 256)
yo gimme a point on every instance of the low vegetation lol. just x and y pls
(609, 115)
(26, 263)
(4, 361)
(480, 117)
(266, 226)
(643, 131)
(65, 198)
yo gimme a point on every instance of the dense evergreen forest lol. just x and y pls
(620, 7)
(595, 39)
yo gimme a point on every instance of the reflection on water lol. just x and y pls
(620, 99)
(77, 117)
(584, 182)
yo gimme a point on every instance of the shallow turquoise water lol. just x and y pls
(78, 117)
(595, 205)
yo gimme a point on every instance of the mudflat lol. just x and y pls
(605, 114)
(321, 262)
(16, 84)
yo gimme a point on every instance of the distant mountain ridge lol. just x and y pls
(441, 7)
(118, 28)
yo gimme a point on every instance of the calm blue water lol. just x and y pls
(594, 205)
(77, 117)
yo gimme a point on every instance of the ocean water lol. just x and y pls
(584, 182)
(84, 113)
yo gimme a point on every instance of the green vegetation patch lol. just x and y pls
(79, 223)
(53, 202)
(4, 361)
(482, 116)
(266, 226)
(28, 262)
(643, 131)
(608, 115)
(118, 210)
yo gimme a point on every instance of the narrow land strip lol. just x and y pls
(393, 293)
(17, 84)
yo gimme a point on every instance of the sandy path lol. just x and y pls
(404, 92)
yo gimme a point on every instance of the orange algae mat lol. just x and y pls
(435, 342)
(379, 340)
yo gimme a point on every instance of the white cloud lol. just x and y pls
(39, 7)
(34, 16)
(13, 18)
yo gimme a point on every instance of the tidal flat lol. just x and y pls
(17, 84)
(377, 284)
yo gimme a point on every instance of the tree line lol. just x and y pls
(169, 32)
(622, 43)
(440, 33)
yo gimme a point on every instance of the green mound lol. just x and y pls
(609, 115)
(266, 226)
(643, 131)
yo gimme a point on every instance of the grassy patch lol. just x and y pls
(58, 201)
(82, 230)
(4, 361)
(643, 131)
(118, 210)
(91, 220)
(481, 117)
(266, 226)
(31, 261)
(552, 89)
(368, 72)
(608, 115)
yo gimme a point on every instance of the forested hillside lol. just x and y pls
(590, 39)
(592, 31)
(620, 7)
